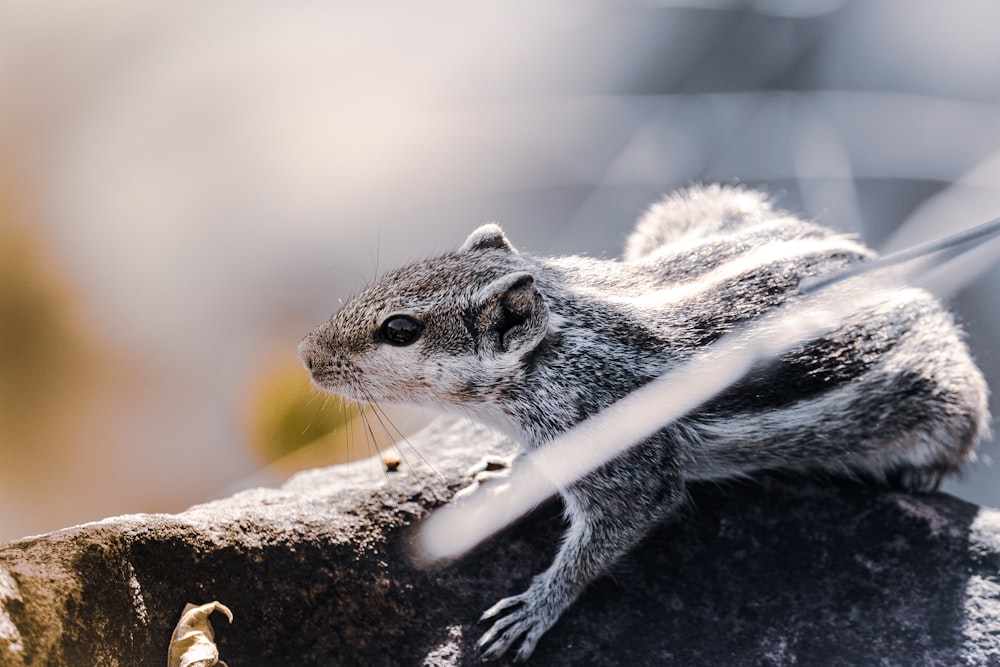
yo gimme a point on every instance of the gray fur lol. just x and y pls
(534, 345)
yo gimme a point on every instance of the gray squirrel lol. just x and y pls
(532, 346)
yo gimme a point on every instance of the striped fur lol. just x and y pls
(534, 345)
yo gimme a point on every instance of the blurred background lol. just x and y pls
(187, 188)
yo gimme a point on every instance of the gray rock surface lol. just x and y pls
(319, 572)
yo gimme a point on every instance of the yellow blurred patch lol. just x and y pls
(48, 368)
(294, 426)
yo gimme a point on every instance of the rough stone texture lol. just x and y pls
(774, 572)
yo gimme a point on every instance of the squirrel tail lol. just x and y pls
(695, 212)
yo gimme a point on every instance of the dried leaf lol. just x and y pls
(193, 641)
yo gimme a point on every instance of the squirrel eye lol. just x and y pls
(401, 330)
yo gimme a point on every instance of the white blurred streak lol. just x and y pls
(823, 170)
(456, 528)
(948, 47)
(797, 8)
(973, 197)
(719, 136)
(949, 278)
(787, 8)
(877, 129)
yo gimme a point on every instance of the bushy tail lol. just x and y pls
(697, 211)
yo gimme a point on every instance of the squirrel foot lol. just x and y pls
(533, 613)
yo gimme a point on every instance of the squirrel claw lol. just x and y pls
(501, 606)
(532, 614)
(506, 631)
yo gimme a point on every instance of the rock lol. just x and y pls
(319, 572)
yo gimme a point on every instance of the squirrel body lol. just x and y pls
(534, 345)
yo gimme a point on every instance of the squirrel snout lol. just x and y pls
(307, 353)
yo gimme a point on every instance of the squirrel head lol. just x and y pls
(443, 331)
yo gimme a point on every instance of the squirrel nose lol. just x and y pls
(305, 351)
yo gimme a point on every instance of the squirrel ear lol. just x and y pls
(487, 237)
(512, 314)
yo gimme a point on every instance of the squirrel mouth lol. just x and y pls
(334, 382)
(329, 381)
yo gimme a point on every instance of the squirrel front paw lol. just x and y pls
(531, 614)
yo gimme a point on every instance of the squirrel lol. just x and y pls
(532, 346)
